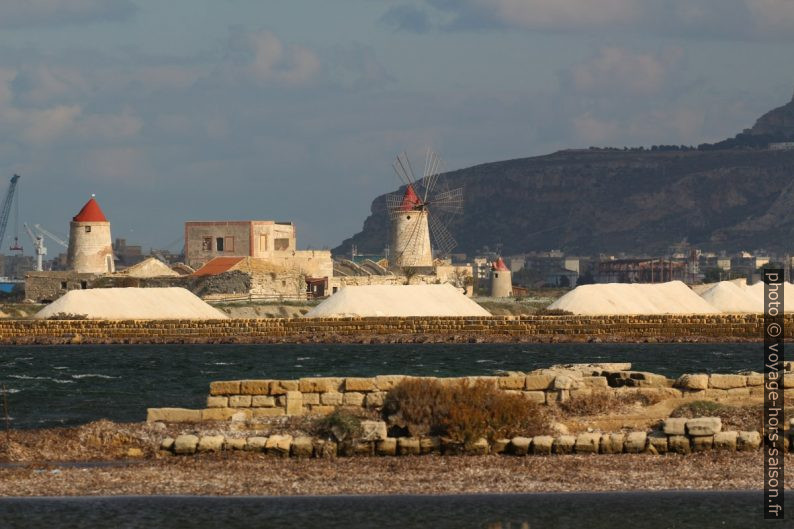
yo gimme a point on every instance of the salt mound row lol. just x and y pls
(757, 291)
(132, 304)
(397, 300)
(728, 296)
(633, 298)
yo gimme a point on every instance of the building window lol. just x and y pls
(88, 229)
(206, 244)
(229, 244)
(496, 274)
(335, 289)
(263, 243)
(63, 285)
(83, 284)
(283, 282)
(281, 245)
(219, 244)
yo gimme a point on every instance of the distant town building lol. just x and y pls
(262, 239)
(781, 146)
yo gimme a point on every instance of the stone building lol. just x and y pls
(263, 239)
(410, 246)
(501, 280)
(90, 248)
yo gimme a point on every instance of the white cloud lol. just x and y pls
(618, 70)
(263, 57)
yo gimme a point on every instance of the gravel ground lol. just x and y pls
(257, 474)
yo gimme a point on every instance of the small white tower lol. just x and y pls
(411, 233)
(501, 280)
(90, 247)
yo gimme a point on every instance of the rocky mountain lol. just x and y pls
(732, 195)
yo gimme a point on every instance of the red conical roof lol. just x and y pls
(500, 266)
(91, 212)
(410, 199)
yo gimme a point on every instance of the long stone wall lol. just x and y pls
(413, 329)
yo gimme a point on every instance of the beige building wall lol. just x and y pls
(264, 239)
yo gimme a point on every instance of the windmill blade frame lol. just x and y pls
(440, 237)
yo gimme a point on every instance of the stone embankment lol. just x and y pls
(242, 402)
(665, 328)
(252, 399)
(677, 436)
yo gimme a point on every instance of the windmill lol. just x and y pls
(420, 212)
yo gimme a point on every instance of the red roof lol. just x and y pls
(91, 212)
(410, 200)
(217, 265)
(500, 266)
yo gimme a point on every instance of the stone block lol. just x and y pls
(225, 387)
(320, 385)
(429, 445)
(185, 444)
(217, 414)
(755, 379)
(375, 399)
(386, 447)
(582, 393)
(373, 430)
(331, 398)
(281, 387)
(658, 440)
(718, 381)
(408, 446)
(725, 441)
(520, 445)
(562, 382)
(511, 382)
(359, 384)
(255, 444)
(596, 382)
(386, 382)
(702, 443)
(363, 448)
(353, 398)
(538, 397)
(703, 426)
(538, 382)
(255, 387)
(167, 444)
(587, 443)
(311, 399)
(294, 403)
(674, 426)
(259, 413)
(263, 401)
(564, 444)
(172, 415)
(611, 443)
(240, 401)
(692, 381)
(739, 392)
(210, 443)
(500, 446)
(234, 444)
(302, 447)
(278, 445)
(322, 410)
(635, 442)
(217, 402)
(747, 441)
(480, 447)
(679, 444)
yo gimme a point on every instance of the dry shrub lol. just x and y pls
(605, 402)
(733, 417)
(462, 411)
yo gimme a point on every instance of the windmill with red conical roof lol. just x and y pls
(90, 247)
(418, 213)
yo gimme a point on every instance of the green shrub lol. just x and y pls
(462, 411)
(339, 425)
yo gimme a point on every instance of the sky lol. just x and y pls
(251, 109)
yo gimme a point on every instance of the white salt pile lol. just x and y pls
(728, 296)
(635, 298)
(397, 300)
(132, 304)
(757, 291)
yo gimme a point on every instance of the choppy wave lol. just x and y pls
(92, 375)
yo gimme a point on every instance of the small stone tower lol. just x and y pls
(501, 280)
(411, 233)
(90, 248)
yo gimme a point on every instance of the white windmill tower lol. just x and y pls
(418, 214)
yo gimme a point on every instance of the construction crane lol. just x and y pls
(38, 246)
(6, 211)
(55, 238)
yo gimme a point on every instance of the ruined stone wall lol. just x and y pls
(410, 329)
